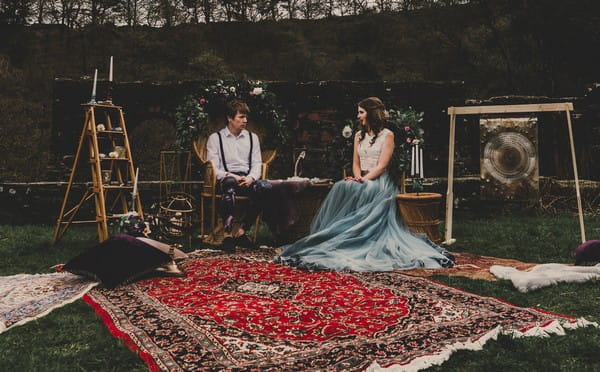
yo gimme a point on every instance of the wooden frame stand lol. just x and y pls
(111, 168)
(567, 107)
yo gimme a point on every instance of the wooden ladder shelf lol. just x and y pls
(112, 177)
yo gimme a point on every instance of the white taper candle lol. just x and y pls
(94, 86)
(110, 70)
(412, 161)
(417, 160)
(134, 192)
(137, 171)
(421, 174)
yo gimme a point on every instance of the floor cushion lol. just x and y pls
(119, 259)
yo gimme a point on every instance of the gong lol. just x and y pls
(509, 159)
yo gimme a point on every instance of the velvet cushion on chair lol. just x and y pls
(119, 259)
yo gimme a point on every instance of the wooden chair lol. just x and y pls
(209, 189)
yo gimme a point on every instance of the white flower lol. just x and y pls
(347, 132)
(416, 142)
(257, 91)
(232, 89)
(113, 154)
(100, 127)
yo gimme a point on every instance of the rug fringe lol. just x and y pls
(554, 327)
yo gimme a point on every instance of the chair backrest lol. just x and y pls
(210, 175)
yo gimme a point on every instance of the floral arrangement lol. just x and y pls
(192, 114)
(406, 125)
(133, 224)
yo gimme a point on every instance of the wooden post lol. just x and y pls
(581, 225)
(449, 193)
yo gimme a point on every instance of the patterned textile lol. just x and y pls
(247, 313)
(472, 266)
(26, 297)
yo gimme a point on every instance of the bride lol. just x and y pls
(357, 227)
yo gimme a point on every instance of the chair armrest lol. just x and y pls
(210, 178)
(267, 157)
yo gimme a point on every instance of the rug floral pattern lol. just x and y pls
(245, 312)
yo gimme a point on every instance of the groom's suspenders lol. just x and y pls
(223, 153)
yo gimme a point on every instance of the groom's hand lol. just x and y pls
(245, 181)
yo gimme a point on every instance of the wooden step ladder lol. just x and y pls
(112, 171)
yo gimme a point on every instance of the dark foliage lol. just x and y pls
(498, 48)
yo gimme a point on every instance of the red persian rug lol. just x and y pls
(243, 312)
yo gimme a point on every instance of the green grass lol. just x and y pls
(69, 338)
(73, 337)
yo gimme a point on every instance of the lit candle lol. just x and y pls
(94, 86)
(421, 163)
(110, 70)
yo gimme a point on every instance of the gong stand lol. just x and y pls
(567, 107)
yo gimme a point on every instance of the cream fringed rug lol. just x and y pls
(25, 297)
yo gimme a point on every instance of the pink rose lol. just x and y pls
(201, 101)
(407, 128)
(408, 140)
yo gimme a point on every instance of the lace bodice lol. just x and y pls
(369, 154)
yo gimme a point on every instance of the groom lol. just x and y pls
(236, 155)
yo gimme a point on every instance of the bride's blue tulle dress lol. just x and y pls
(357, 228)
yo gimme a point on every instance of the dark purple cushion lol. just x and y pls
(119, 259)
(588, 253)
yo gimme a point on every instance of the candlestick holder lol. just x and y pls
(417, 185)
(92, 100)
(109, 93)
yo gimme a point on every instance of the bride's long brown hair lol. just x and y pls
(376, 117)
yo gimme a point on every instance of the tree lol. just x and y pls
(128, 11)
(15, 11)
(268, 9)
(292, 7)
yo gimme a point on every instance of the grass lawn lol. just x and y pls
(73, 337)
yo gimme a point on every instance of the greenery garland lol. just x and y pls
(192, 114)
